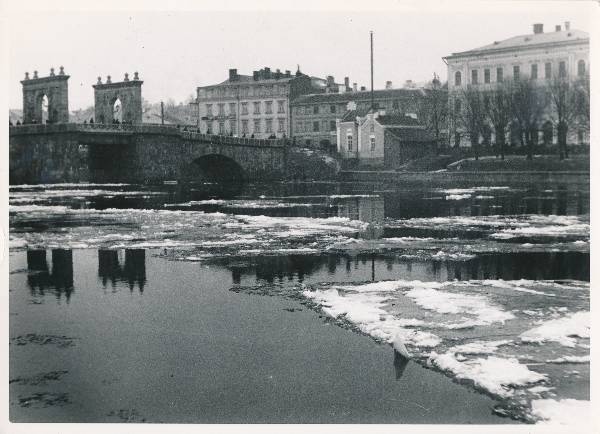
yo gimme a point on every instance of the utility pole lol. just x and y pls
(372, 95)
(162, 113)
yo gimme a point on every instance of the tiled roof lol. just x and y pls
(531, 39)
(411, 134)
(397, 119)
(357, 96)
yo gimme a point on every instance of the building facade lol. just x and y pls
(253, 106)
(379, 140)
(537, 56)
(314, 116)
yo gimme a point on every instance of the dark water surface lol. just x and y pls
(119, 315)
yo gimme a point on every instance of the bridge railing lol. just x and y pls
(144, 129)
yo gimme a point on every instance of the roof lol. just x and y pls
(529, 40)
(397, 120)
(357, 96)
(409, 134)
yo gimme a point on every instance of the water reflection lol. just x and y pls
(374, 267)
(400, 363)
(132, 272)
(59, 280)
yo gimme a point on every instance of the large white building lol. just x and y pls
(563, 52)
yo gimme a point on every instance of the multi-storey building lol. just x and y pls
(537, 56)
(256, 105)
(314, 116)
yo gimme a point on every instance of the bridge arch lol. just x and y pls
(213, 168)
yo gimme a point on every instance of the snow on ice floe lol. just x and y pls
(564, 330)
(562, 411)
(494, 374)
(64, 184)
(456, 303)
(570, 359)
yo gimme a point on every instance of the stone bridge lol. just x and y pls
(138, 153)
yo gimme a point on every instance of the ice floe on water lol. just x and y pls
(455, 327)
(562, 411)
(564, 330)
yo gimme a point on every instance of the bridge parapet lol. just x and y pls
(128, 129)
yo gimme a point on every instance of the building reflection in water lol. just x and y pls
(59, 281)
(131, 269)
(513, 266)
(366, 209)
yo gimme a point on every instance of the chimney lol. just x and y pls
(232, 74)
(267, 72)
(288, 73)
(538, 28)
(330, 80)
(255, 75)
(567, 25)
(354, 87)
(388, 84)
(347, 82)
(362, 88)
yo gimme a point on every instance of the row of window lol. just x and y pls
(219, 127)
(234, 91)
(244, 107)
(533, 74)
(341, 108)
(315, 126)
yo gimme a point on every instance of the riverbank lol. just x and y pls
(444, 177)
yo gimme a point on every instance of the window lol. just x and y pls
(474, 73)
(233, 127)
(281, 125)
(499, 75)
(562, 69)
(232, 108)
(269, 126)
(457, 78)
(208, 109)
(316, 126)
(257, 125)
(316, 110)
(244, 108)
(581, 68)
(257, 108)
(534, 74)
(221, 128)
(516, 72)
(221, 109)
(332, 109)
(372, 127)
(268, 107)
(548, 70)
(280, 106)
(208, 127)
(486, 76)
(372, 141)
(349, 141)
(332, 126)
(395, 105)
(245, 126)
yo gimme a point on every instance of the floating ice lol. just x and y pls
(562, 412)
(493, 374)
(562, 330)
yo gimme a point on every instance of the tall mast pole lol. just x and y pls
(372, 96)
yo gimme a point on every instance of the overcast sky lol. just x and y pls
(174, 52)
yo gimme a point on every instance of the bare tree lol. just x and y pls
(472, 115)
(499, 110)
(568, 100)
(528, 106)
(433, 108)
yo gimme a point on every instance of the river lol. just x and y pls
(284, 302)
